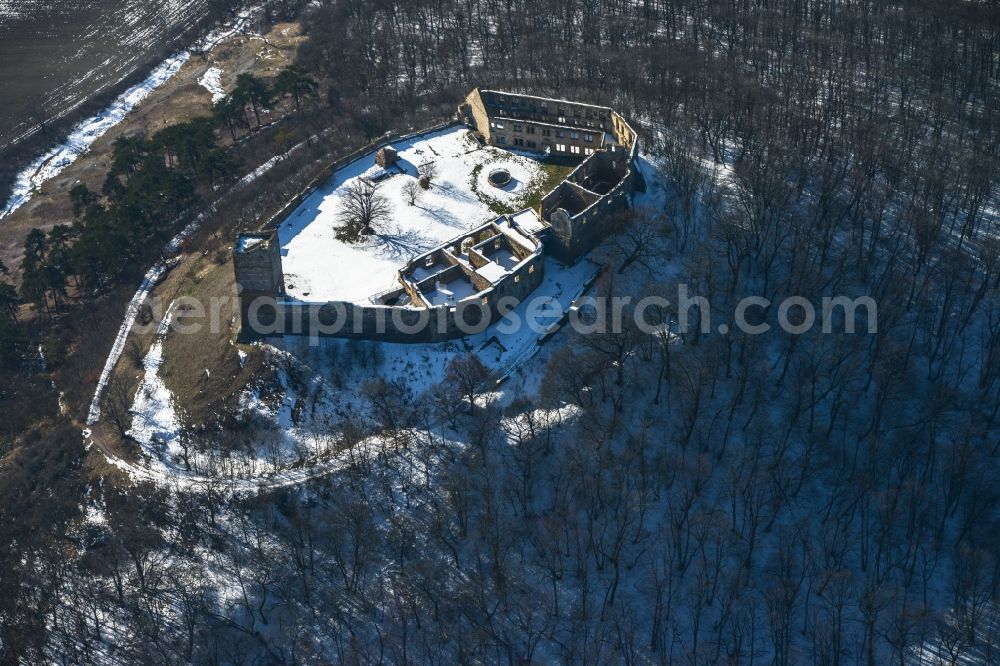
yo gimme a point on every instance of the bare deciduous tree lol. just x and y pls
(466, 375)
(363, 210)
(412, 192)
(639, 240)
(428, 172)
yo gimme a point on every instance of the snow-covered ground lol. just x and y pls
(150, 280)
(52, 163)
(314, 392)
(167, 453)
(211, 81)
(318, 267)
(10, 9)
(154, 417)
(505, 347)
(523, 172)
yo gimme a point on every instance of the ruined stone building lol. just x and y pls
(579, 210)
(463, 284)
(527, 122)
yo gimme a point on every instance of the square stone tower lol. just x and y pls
(259, 277)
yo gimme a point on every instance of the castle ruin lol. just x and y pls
(461, 286)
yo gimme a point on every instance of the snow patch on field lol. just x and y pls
(264, 168)
(10, 10)
(211, 81)
(86, 133)
(154, 418)
(319, 268)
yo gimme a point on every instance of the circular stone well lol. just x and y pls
(499, 177)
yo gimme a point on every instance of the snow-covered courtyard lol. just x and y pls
(318, 267)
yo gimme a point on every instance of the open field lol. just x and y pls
(55, 55)
(183, 97)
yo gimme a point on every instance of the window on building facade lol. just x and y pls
(560, 134)
(575, 136)
(575, 150)
(532, 144)
(546, 132)
(518, 128)
(518, 142)
(502, 140)
(588, 137)
(560, 147)
(531, 129)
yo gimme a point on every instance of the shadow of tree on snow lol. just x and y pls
(444, 216)
(454, 193)
(397, 243)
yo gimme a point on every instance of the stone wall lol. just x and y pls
(476, 114)
(583, 228)
(601, 170)
(267, 315)
(624, 134)
(544, 109)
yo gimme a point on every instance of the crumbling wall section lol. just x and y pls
(271, 316)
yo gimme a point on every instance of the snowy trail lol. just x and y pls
(153, 414)
(191, 481)
(84, 134)
(149, 281)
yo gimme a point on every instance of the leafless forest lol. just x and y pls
(826, 498)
